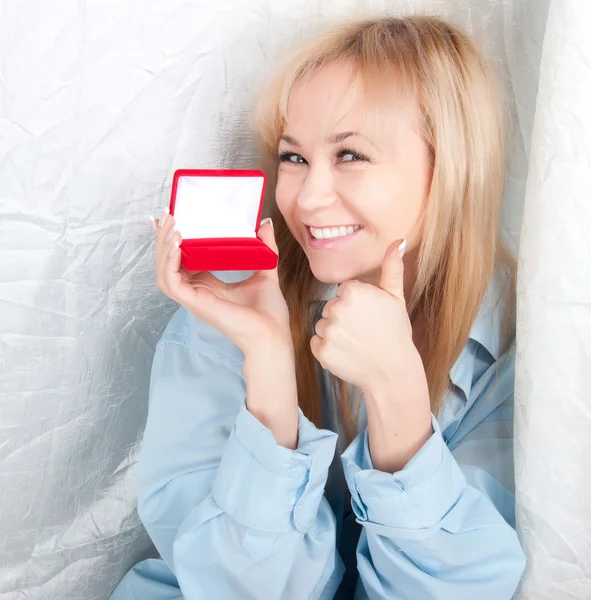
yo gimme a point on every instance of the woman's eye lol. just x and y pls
(343, 155)
(347, 155)
(291, 157)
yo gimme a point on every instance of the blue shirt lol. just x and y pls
(236, 516)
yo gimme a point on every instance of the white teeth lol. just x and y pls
(333, 232)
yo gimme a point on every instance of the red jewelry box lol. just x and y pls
(217, 213)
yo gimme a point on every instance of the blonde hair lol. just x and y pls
(463, 126)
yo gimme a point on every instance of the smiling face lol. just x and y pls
(347, 192)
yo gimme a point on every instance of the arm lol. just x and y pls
(268, 368)
(442, 526)
(234, 514)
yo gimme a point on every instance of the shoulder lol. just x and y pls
(483, 377)
(186, 330)
(494, 326)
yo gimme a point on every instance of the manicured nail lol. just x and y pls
(267, 220)
(153, 221)
(174, 249)
(170, 233)
(402, 247)
(163, 216)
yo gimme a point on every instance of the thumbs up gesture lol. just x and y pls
(365, 336)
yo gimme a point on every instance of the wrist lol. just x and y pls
(270, 355)
(399, 421)
(385, 392)
(390, 386)
(271, 390)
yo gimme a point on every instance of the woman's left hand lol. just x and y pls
(365, 336)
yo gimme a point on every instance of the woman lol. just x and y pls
(391, 304)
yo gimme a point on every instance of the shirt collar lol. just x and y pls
(488, 331)
(489, 328)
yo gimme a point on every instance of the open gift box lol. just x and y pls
(217, 213)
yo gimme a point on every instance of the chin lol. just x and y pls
(331, 273)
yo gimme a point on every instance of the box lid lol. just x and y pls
(217, 203)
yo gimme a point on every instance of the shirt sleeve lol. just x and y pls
(266, 530)
(233, 514)
(443, 526)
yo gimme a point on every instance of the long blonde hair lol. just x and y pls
(463, 126)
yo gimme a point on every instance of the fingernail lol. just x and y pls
(163, 216)
(402, 247)
(170, 233)
(267, 220)
(153, 221)
(174, 249)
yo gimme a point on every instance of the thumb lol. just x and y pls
(392, 280)
(266, 234)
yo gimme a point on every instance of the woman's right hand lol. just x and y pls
(251, 313)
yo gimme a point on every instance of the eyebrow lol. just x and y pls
(331, 139)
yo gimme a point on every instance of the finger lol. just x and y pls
(162, 218)
(342, 288)
(165, 223)
(168, 240)
(210, 281)
(266, 234)
(224, 291)
(168, 256)
(328, 306)
(188, 275)
(170, 263)
(320, 327)
(185, 275)
(154, 223)
(315, 345)
(392, 278)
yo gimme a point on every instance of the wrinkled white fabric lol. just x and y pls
(553, 382)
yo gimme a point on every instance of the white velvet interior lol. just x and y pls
(217, 207)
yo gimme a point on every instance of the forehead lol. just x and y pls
(330, 100)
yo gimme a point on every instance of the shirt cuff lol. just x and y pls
(268, 487)
(414, 500)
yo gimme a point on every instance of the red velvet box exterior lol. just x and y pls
(224, 254)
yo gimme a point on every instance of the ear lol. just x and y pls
(392, 280)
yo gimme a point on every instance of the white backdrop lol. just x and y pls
(99, 102)
(553, 377)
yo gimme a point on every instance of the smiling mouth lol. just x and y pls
(332, 233)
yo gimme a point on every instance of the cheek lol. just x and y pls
(395, 202)
(286, 194)
(282, 194)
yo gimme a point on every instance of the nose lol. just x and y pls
(318, 190)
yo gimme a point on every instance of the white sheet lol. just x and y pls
(553, 384)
